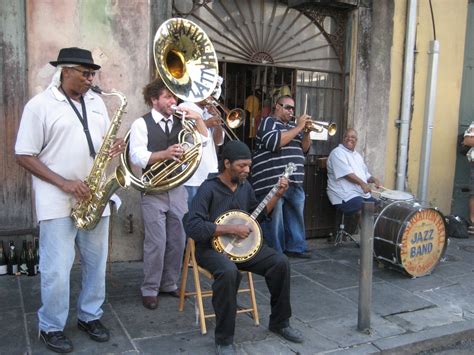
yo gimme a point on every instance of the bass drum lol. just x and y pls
(410, 237)
(238, 250)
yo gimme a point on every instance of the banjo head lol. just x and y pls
(238, 249)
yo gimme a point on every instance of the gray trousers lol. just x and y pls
(164, 242)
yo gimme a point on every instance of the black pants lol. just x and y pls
(268, 263)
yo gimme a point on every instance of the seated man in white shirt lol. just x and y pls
(348, 176)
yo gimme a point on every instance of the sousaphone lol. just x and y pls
(186, 61)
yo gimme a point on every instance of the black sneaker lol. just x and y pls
(95, 329)
(289, 333)
(303, 255)
(56, 341)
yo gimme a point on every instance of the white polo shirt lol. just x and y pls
(50, 130)
(342, 162)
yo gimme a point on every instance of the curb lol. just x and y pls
(426, 339)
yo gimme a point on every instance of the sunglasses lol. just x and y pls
(85, 73)
(287, 107)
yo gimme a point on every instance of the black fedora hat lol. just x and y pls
(75, 55)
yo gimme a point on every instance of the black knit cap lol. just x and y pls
(75, 55)
(236, 150)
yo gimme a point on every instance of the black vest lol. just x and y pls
(157, 139)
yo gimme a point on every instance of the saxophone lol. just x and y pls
(87, 213)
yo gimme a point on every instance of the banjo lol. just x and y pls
(242, 249)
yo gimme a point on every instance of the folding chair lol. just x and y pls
(199, 294)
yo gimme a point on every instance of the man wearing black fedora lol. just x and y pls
(61, 129)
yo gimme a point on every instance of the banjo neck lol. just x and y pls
(264, 203)
(288, 171)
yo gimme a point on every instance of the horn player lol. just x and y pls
(229, 189)
(60, 132)
(280, 141)
(154, 138)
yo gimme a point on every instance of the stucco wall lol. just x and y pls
(370, 81)
(450, 21)
(119, 35)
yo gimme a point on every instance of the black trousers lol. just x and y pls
(268, 263)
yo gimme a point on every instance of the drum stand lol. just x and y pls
(342, 235)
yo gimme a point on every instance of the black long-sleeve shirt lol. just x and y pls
(212, 199)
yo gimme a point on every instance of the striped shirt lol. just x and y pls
(270, 160)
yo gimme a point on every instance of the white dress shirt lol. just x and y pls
(139, 153)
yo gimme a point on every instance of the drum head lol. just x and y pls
(396, 195)
(237, 249)
(423, 242)
(410, 237)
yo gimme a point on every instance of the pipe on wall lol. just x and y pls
(430, 103)
(406, 95)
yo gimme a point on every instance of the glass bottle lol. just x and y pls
(12, 266)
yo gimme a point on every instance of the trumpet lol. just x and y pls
(321, 126)
(233, 118)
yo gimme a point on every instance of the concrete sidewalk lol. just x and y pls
(408, 315)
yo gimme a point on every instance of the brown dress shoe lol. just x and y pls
(174, 293)
(150, 302)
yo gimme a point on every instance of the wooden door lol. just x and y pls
(15, 201)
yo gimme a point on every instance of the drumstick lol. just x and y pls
(305, 104)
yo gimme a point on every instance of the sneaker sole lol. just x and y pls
(93, 337)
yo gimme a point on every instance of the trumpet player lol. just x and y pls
(281, 141)
(154, 138)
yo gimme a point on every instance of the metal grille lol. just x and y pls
(264, 32)
(324, 93)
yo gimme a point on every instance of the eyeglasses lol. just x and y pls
(85, 73)
(287, 107)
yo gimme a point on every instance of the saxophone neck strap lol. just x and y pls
(83, 120)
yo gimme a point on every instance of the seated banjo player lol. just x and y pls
(230, 190)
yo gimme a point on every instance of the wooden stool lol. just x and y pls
(190, 262)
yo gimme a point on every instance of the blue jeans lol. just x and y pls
(354, 205)
(192, 191)
(285, 231)
(57, 240)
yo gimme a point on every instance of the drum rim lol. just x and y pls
(383, 195)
